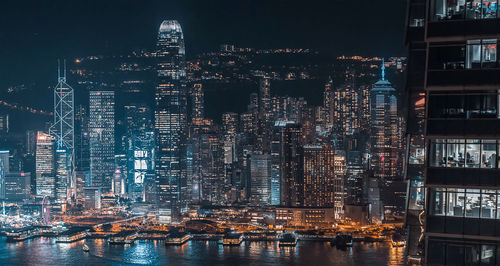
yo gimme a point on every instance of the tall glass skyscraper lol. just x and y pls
(384, 129)
(102, 138)
(170, 113)
(260, 178)
(4, 170)
(45, 183)
(63, 130)
(140, 166)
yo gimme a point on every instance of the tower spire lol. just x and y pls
(383, 69)
(58, 69)
(59, 77)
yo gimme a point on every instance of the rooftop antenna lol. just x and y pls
(383, 69)
(59, 77)
(59, 70)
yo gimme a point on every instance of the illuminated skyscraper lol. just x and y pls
(45, 179)
(197, 101)
(291, 153)
(4, 123)
(4, 170)
(339, 183)
(205, 163)
(346, 110)
(323, 178)
(277, 160)
(17, 186)
(260, 176)
(102, 138)
(385, 130)
(63, 130)
(137, 118)
(141, 171)
(62, 173)
(170, 113)
(265, 100)
(319, 177)
(82, 147)
(328, 98)
(230, 129)
(212, 167)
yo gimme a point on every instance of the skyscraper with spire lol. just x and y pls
(170, 113)
(385, 129)
(63, 131)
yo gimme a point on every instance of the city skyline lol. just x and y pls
(109, 32)
(271, 141)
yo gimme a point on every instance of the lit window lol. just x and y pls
(481, 53)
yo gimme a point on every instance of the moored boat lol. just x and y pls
(232, 239)
(288, 239)
(177, 238)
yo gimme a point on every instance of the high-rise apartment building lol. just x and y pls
(319, 177)
(102, 138)
(291, 153)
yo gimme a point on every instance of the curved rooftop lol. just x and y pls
(170, 25)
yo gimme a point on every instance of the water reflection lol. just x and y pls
(197, 253)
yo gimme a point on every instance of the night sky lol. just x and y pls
(34, 33)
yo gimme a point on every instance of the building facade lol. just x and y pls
(415, 143)
(4, 170)
(461, 130)
(45, 151)
(102, 138)
(141, 167)
(63, 131)
(17, 186)
(260, 176)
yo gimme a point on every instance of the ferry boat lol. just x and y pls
(288, 239)
(260, 235)
(21, 235)
(18, 236)
(232, 239)
(343, 240)
(123, 240)
(71, 238)
(177, 239)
